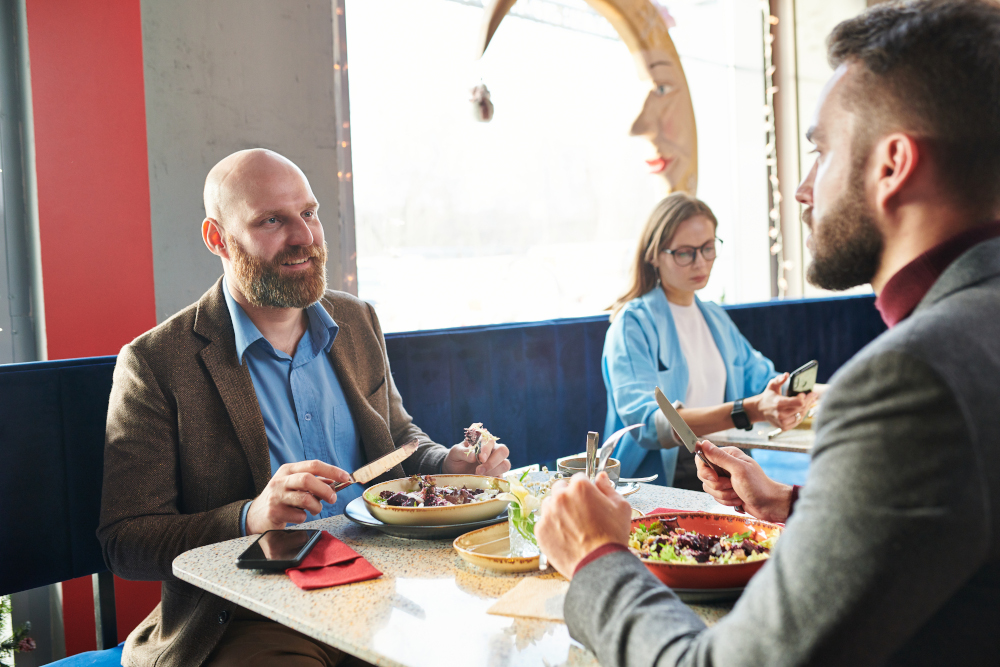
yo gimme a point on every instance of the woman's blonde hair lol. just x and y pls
(656, 236)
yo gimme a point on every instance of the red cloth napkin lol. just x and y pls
(331, 563)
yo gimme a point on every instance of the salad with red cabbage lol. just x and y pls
(661, 541)
(429, 494)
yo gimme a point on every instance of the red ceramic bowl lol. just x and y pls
(708, 575)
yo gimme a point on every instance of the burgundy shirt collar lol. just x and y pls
(910, 284)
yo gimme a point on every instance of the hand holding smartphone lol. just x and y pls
(278, 550)
(802, 379)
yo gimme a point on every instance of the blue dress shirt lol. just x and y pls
(303, 405)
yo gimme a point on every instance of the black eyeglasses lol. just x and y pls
(685, 255)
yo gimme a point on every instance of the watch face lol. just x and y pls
(740, 419)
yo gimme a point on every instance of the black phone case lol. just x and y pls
(786, 387)
(266, 564)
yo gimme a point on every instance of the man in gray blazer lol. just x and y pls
(892, 552)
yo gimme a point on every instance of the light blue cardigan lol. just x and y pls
(642, 351)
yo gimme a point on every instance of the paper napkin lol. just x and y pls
(534, 597)
(331, 563)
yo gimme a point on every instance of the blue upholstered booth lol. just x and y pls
(52, 440)
(538, 385)
(52, 444)
(111, 657)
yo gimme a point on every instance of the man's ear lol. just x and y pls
(894, 161)
(212, 235)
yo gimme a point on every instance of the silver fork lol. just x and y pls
(603, 454)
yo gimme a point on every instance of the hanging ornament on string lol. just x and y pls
(482, 107)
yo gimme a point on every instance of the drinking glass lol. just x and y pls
(522, 538)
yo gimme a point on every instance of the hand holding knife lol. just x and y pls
(367, 473)
(687, 436)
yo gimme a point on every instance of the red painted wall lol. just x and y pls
(93, 178)
(133, 602)
(80, 628)
(93, 208)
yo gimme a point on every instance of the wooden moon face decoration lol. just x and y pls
(667, 116)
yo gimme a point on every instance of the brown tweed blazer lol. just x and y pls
(186, 448)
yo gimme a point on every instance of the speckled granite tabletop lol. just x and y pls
(798, 440)
(429, 607)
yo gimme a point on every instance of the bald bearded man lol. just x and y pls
(223, 419)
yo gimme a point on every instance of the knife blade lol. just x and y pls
(680, 426)
(686, 435)
(367, 473)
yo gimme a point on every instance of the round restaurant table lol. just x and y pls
(428, 608)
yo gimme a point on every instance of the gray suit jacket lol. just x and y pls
(186, 448)
(892, 555)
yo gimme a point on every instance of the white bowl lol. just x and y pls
(437, 516)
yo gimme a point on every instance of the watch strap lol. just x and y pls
(739, 415)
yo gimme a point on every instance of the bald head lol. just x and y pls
(262, 221)
(235, 182)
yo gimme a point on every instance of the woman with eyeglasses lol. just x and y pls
(662, 335)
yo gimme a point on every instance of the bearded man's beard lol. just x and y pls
(847, 243)
(263, 284)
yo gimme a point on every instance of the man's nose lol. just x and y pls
(804, 193)
(299, 233)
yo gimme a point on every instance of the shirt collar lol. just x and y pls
(908, 286)
(322, 328)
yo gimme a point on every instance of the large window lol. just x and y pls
(536, 214)
(814, 20)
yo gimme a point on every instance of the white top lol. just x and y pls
(706, 370)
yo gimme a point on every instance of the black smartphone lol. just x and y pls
(802, 379)
(278, 550)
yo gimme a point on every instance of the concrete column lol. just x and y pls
(788, 132)
(17, 261)
(224, 75)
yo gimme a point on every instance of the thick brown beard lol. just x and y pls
(264, 286)
(847, 242)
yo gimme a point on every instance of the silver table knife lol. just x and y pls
(686, 435)
(367, 473)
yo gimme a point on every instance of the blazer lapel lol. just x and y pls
(233, 382)
(348, 360)
(979, 263)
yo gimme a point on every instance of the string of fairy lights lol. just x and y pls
(771, 150)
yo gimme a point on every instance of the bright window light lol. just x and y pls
(536, 214)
